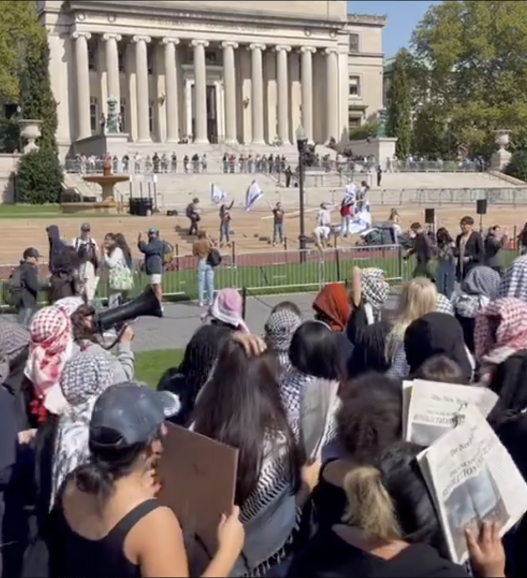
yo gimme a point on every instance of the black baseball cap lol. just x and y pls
(31, 252)
(127, 414)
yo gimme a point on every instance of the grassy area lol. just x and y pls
(45, 212)
(150, 365)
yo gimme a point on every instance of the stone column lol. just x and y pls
(283, 92)
(83, 84)
(141, 81)
(200, 91)
(332, 83)
(257, 93)
(171, 85)
(307, 90)
(229, 84)
(112, 65)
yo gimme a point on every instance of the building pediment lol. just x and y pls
(267, 14)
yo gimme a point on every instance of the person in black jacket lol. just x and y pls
(470, 249)
(29, 286)
(422, 250)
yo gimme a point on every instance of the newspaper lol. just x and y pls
(472, 479)
(430, 408)
(317, 406)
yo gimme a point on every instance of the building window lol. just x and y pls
(151, 115)
(122, 113)
(121, 61)
(353, 43)
(94, 114)
(92, 56)
(354, 86)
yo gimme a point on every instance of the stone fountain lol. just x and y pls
(30, 131)
(107, 182)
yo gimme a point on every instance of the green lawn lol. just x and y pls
(45, 212)
(150, 365)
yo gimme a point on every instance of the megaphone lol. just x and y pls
(145, 305)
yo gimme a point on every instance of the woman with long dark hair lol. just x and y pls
(241, 406)
(446, 269)
(117, 257)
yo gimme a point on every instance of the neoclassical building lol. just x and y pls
(212, 70)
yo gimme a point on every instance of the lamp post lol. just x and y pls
(301, 143)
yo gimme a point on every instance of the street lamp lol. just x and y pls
(301, 143)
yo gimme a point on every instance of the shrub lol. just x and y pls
(518, 166)
(39, 178)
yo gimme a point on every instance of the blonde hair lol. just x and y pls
(370, 507)
(418, 297)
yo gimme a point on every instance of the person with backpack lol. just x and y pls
(154, 252)
(25, 286)
(117, 257)
(194, 216)
(88, 252)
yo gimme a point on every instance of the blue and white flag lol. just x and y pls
(350, 192)
(253, 195)
(361, 221)
(217, 195)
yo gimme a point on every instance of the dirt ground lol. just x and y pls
(251, 231)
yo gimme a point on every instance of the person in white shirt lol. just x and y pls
(88, 251)
(323, 229)
(117, 257)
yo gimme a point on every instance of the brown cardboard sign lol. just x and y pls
(198, 482)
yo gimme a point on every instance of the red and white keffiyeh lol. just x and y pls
(50, 346)
(511, 335)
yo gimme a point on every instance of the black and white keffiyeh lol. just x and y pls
(444, 305)
(514, 282)
(83, 379)
(279, 330)
(13, 339)
(375, 290)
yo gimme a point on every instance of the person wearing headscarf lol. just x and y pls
(56, 247)
(83, 379)
(479, 287)
(13, 340)
(368, 295)
(50, 347)
(514, 282)
(227, 310)
(279, 330)
(444, 305)
(331, 306)
(436, 334)
(65, 280)
(69, 305)
(501, 348)
(187, 380)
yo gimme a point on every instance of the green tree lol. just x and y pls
(518, 166)
(472, 57)
(364, 131)
(430, 135)
(400, 103)
(39, 178)
(37, 97)
(18, 24)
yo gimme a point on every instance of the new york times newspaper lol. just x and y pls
(472, 479)
(433, 407)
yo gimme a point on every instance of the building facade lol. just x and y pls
(214, 71)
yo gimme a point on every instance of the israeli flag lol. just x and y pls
(253, 195)
(350, 192)
(217, 195)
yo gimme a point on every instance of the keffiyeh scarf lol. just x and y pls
(84, 378)
(375, 290)
(479, 287)
(13, 339)
(279, 331)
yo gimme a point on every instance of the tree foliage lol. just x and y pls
(37, 96)
(400, 104)
(472, 62)
(364, 131)
(18, 24)
(518, 165)
(39, 178)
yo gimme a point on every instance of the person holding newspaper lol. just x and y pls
(391, 529)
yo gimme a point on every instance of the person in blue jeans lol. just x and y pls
(278, 223)
(446, 267)
(225, 223)
(201, 250)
